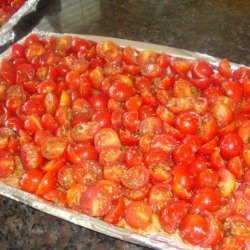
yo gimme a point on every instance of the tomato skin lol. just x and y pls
(31, 156)
(120, 92)
(116, 213)
(231, 145)
(201, 69)
(87, 172)
(182, 182)
(95, 202)
(56, 197)
(198, 165)
(187, 123)
(105, 138)
(159, 196)
(47, 183)
(138, 214)
(30, 180)
(172, 214)
(74, 194)
(183, 153)
(65, 176)
(207, 178)
(194, 229)
(206, 199)
(7, 164)
(224, 68)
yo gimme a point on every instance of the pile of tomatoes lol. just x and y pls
(8, 8)
(128, 135)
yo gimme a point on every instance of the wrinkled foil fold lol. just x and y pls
(154, 240)
(6, 31)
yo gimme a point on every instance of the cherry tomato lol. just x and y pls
(187, 123)
(65, 176)
(194, 229)
(47, 183)
(182, 182)
(138, 214)
(74, 194)
(7, 164)
(56, 197)
(30, 180)
(135, 177)
(105, 138)
(172, 214)
(95, 202)
(207, 178)
(231, 145)
(206, 199)
(116, 213)
(87, 172)
(31, 156)
(159, 196)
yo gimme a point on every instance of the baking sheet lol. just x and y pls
(153, 240)
(6, 32)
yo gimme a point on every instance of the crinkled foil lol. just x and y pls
(6, 32)
(156, 240)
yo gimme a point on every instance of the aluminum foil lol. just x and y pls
(6, 32)
(156, 240)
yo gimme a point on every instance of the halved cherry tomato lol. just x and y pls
(135, 177)
(87, 172)
(194, 229)
(105, 138)
(30, 180)
(95, 202)
(7, 164)
(31, 156)
(65, 176)
(138, 214)
(116, 213)
(172, 214)
(47, 183)
(56, 197)
(159, 196)
(53, 148)
(74, 194)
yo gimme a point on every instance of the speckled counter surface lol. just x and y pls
(217, 27)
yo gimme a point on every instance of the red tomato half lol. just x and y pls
(95, 202)
(138, 214)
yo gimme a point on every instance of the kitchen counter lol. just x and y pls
(220, 28)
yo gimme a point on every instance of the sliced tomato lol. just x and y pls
(74, 194)
(116, 213)
(136, 195)
(56, 197)
(47, 183)
(95, 202)
(114, 172)
(105, 138)
(135, 177)
(30, 180)
(7, 164)
(159, 195)
(172, 214)
(138, 214)
(87, 172)
(31, 156)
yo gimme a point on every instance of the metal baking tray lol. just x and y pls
(156, 240)
(6, 31)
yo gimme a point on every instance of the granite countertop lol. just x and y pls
(220, 28)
